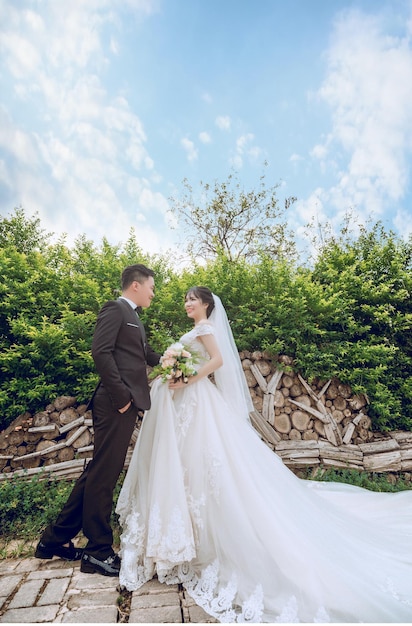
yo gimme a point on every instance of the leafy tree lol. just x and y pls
(370, 331)
(22, 232)
(226, 219)
(349, 316)
(49, 300)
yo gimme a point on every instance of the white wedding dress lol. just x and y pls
(207, 504)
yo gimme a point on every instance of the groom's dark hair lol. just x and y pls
(137, 272)
(205, 295)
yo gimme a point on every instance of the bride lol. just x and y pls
(207, 504)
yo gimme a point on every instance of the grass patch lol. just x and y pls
(29, 505)
(385, 482)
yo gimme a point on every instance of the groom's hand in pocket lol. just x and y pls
(126, 407)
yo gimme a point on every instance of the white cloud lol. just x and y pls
(189, 148)
(223, 122)
(236, 161)
(254, 153)
(244, 149)
(319, 152)
(17, 142)
(5, 175)
(147, 7)
(205, 137)
(150, 200)
(369, 91)
(76, 157)
(20, 54)
(114, 46)
(310, 209)
(403, 222)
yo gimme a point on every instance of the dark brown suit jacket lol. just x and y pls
(121, 354)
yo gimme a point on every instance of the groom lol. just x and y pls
(121, 353)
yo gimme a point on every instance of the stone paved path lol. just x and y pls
(55, 591)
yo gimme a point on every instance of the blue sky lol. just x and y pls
(107, 105)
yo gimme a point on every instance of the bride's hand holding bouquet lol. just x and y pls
(176, 367)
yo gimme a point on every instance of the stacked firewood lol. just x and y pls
(389, 453)
(321, 424)
(60, 435)
(318, 424)
(298, 410)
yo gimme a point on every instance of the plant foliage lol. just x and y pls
(348, 316)
(224, 218)
(30, 504)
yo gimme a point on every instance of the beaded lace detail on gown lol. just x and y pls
(207, 504)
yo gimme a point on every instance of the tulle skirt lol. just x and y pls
(207, 504)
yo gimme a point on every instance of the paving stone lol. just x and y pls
(154, 586)
(187, 600)
(157, 615)
(71, 596)
(54, 592)
(101, 615)
(31, 615)
(82, 581)
(28, 565)
(8, 566)
(51, 573)
(8, 584)
(198, 615)
(27, 594)
(93, 599)
(56, 564)
(153, 600)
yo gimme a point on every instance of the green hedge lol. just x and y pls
(349, 315)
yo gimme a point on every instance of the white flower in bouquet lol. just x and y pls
(176, 364)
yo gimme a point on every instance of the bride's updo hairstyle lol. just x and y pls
(205, 295)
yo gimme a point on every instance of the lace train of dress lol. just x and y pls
(207, 504)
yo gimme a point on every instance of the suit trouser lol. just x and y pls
(90, 503)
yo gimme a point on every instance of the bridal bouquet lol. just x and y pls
(176, 364)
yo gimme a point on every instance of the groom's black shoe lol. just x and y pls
(49, 550)
(107, 567)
